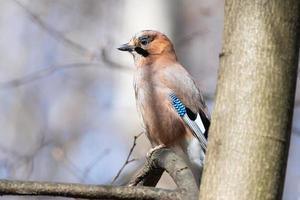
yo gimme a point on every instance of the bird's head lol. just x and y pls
(148, 46)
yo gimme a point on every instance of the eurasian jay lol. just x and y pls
(171, 105)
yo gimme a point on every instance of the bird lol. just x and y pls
(168, 99)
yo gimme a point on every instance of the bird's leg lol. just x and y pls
(155, 148)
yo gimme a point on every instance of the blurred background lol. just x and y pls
(67, 108)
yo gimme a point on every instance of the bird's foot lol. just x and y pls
(155, 148)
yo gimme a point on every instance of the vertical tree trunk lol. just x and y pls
(251, 122)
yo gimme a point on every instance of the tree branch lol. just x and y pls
(159, 160)
(165, 159)
(28, 188)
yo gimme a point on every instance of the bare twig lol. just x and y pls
(52, 31)
(21, 159)
(79, 48)
(45, 72)
(42, 73)
(91, 165)
(128, 160)
(105, 58)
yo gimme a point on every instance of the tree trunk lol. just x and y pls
(251, 122)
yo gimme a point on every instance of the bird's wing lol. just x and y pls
(179, 81)
(195, 123)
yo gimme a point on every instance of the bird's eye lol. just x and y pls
(144, 40)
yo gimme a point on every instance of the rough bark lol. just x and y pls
(251, 122)
(158, 161)
(172, 164)
(27, 188)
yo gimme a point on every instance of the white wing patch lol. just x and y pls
(200, 124)
(197, 129)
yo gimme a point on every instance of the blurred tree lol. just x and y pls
(251, 122)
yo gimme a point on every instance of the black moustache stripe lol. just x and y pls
(141, 51)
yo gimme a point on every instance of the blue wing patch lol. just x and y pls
(178, 105)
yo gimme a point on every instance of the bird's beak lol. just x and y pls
(126, 47)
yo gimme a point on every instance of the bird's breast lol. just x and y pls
(163, 124)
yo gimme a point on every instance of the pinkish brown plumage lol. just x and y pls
(159, 74)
